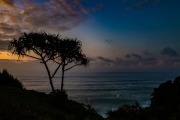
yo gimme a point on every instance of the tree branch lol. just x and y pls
(68, 63)
(35, 51)
(56, 71)
(44, 56)
(71, 67)
(56, 57)
(54, 60)
(32, 56)
(47, 59)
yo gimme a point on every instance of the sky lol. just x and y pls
(117, 35)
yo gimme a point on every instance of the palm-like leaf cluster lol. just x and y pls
(39, 43)
(50, 47)
(69, 50)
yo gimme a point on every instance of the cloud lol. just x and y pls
(53, 15)
(134, 4)
(169, 52)
(4, 45)
(109, 41)
(56, 14)
(103, 59)
(144, 60)
(153, 63)
(140, 61)
(6, 2)
(134, 56)
(135, 60)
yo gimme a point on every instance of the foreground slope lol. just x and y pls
(21, 104)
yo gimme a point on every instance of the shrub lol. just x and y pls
(7, 79)
(167, 95)
(59, 95)
(165, 100)
(128, 112)
(58, 98)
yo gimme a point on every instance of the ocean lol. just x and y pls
(103, 90)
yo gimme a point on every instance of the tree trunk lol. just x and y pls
(51, 83)
(49, 75)
(62, 78)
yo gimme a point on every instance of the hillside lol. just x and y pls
(21, 104)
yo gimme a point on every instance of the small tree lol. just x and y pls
(41, 45)
(69, 55)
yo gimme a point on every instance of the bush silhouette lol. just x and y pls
(7, 79)
(165, 105)
(58, 97)
(165, 100)
(128, 112)
(167, 95)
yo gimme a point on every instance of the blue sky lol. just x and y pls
(152, 24)
(116, 34)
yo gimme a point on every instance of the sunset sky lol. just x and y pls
(117, 35)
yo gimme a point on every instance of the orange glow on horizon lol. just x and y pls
(8, 56)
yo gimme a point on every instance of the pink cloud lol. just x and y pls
(54, 15)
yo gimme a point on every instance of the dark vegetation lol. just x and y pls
(66, 53)
(7, 79)
(128, 112)
(165, 105)
(166, 100)
(17, 103)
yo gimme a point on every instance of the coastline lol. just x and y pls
(104, 92)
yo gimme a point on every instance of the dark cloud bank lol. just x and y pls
(135, 4)
(168, 58)
(4, 45)
(169, 52)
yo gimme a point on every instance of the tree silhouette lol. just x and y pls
(69, 55)
(41, 45)
(66, 52)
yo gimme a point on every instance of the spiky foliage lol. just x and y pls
(66, 52)
(40, 44)
(70, 54)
